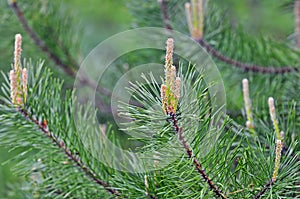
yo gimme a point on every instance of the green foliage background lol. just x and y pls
(106, 17)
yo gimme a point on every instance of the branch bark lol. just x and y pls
(39, 42)
(84, 80)
(263, 191)
(243, 66)
(75, 159)
(179, 131)
(165, 14)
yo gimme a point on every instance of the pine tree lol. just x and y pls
(256, 154)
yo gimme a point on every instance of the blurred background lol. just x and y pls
(103, 18)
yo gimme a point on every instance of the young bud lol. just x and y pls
(189, 18)
(24, 83)
(249, 125)
(146, 181)
(169, 60)
(18, 76)
(163, 89)
(273, 117)
(146, 184)
(272, 108)
(169, 53)
(13, 86)
(277, 160)
(172, 78)
(168, 90)
(195, 18)
(200, 19)
(17, 52)
(247, 101)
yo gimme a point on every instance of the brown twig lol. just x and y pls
(244, 66)
(83, 79)
(265, 188)
(165, 14)
(227, 60)
(179, 131)
(39, 42)
(59, 143)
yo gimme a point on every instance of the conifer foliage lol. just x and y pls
(257, 151)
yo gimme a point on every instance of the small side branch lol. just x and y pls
(244, 66)
(179, 131)
(165, 14)
(263, 191)
(227, 60)
(278, 151)
(39, 42)
(75, 159)
(84, 80)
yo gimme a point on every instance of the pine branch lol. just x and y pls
(38, 40)
(265, 188)
(223, 58)
(41, 44)
(70, 72)
(165, 14)
(179, 131)
(244, 66)
(60, 144)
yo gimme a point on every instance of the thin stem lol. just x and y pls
(60, 144)
(244, 66)
(227, 60)
(51, 55)
(263, 191)
(179, 131)
(40, 42)
(165, 14)
(84, 80)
